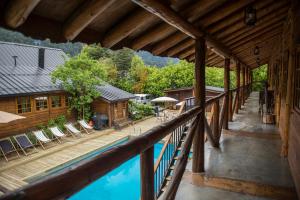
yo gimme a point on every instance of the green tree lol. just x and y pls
(260, 75)
(79, 76)
(138, 74)
(96, 52)
(122, 59)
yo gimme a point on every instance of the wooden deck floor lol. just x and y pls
(16, 173)
(19, 171)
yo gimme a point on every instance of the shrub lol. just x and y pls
(58, 121)
(138, 111)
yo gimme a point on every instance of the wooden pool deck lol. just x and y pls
(17, 172)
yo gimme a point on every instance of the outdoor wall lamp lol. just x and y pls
(250, 16)
(256, 50)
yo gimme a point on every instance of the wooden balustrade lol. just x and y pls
(67, 182)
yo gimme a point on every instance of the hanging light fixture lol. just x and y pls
(256, 50)
(250, 16)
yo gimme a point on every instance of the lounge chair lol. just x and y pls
(42, 138)
(72, 130)
(57, 132)
(24, 143)
(7, 147)
(87, 128)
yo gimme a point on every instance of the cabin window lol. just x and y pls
(68, 101)
(297, 81)
(41, 103)
(56, 101)
(23, 104)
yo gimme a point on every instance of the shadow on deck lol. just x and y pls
(247, 165)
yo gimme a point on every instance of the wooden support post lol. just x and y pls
(230, 100)
(243, 85)
(226, 90)
(198, 142)
(238, 84)
(246, 82)
(147, 174)
(215, 121)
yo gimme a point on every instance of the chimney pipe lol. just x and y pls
(15, 60)
(41, 58)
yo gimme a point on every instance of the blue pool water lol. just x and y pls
(121, 183)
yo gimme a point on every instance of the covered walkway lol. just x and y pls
(247, 165)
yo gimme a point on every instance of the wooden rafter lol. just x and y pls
(82, 17)
(169, 42)
(171, 17)
(164, 30)
(180, 47)
(257, 35)
(17, 11)
(242, 33)
(264, 18)
(258, 42)
(127, 26)
(232, 18)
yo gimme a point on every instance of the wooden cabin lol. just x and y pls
(27, 90)
(187, 92)
(238, 35)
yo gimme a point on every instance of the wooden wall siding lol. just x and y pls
(33, 118)
(294, 149)
(280, 77)
(102, 107)
(180, 95)
(118, 110)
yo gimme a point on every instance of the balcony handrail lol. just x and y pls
(71, 180)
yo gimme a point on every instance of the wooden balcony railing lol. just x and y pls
(67, 182)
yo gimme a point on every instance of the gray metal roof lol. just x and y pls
(112, 93)
(28, 78)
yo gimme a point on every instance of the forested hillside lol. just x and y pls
(73, 49)
(137, 72)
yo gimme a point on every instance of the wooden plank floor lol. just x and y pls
(15, 174)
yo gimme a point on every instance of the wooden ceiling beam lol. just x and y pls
(17, 11)
(83, 16)
(257, 42)
(187, 53)
(168, 43)
(164, 30)
(127, 26)
(171, 17)
(264, 16)
(180, 47)
(243, 33)
(267, 31)
(232, 19)
(154, 35)
(221, 13)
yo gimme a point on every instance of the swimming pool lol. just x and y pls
(121, 183)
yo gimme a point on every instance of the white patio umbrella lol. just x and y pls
(163, 99)
(180, 103)
(6, 117)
